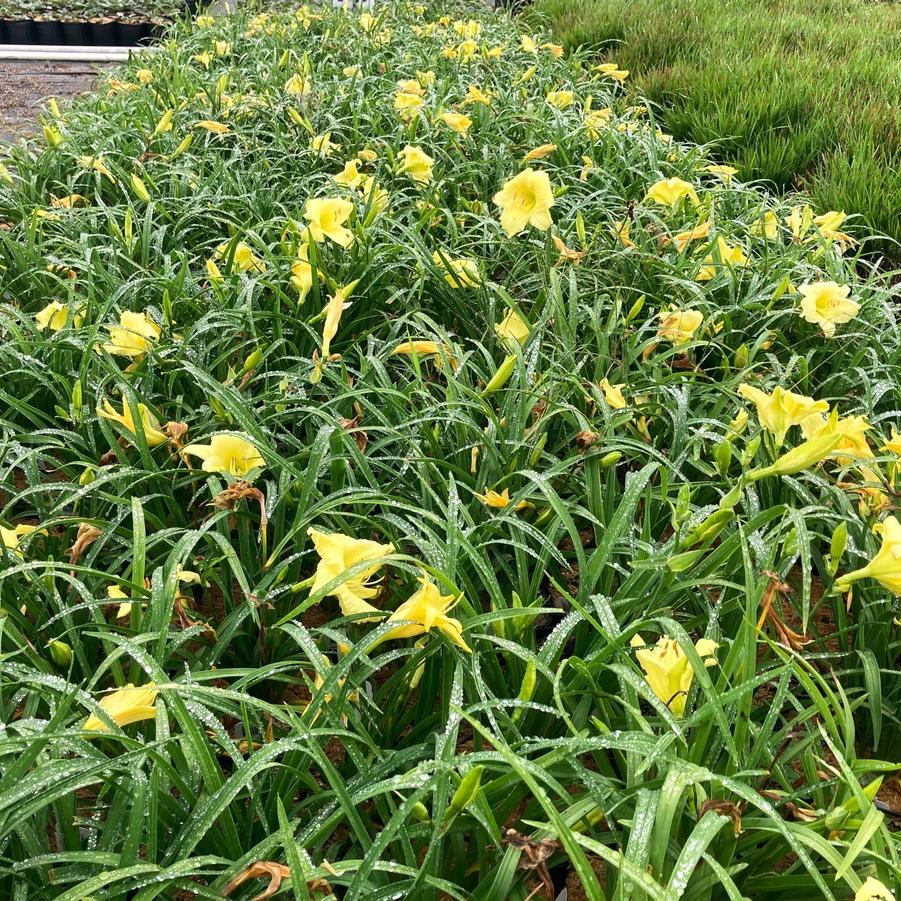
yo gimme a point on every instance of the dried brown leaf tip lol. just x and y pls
(87, 535)
(534, 855)
(275, 873)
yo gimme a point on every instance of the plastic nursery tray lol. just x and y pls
(106, 33)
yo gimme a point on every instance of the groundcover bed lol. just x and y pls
(86, 22)
(423, 478)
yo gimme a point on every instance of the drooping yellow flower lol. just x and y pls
(613, 394)
(336, 305)
(425, 348)
(852, 430)
(779, 411)
(243, 258)
(212, 126)
(827, 304)
(425, 610)
(683, 239)
(11, 538)
(671, 191)
(322, 144)
(885, 567)
(725, 172)
(595, 120)
(407, 105)
(97, 164)
(457, 122)
(339, 553)
(767, 226)
(560, 99)
(726, 256)
(416, 163)
(678, 326)
(459, 273)
(893, 445)
(127, 705)
(873, 890)
(526, 199)
(133, 337)
(326, 217)
(611, 70)
(149, 423)
(513, 329)
(350, 176)
(475, 94)
(668, 670)
(297, 85)
(539, 153)
(55, 316)
(229, 455)
(622, 231)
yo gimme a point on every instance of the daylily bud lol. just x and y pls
(741, 357)
(635, 309)
(806, 454)
(527, 689)
(467, 790)
(182, 147)
(52, 136)
(837, 546)
(722, 456)
(611, 459)
(165, 123)
(501, 376)
(60, 653)
(140, 188)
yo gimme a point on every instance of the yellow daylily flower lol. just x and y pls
(500, 501)
(297, 85)
(425, 610)
(339, 553)
(457, 122)
(350, 176)
(622, 231)
(513, 329)
(322, 144)
(555, 50)
(767, 226)
(417, 164)
(336, 305)
(374, 198)
(611, 70)
(526, 199)
(560, 99)
(466, 50)
(683, 239)
(613, 394)
(595, 120)
(725, 172)
(350, 71)
(827, 304)
(69, 202)
(852, 429)
(728, 257)
(873, 890)
(460, 273)
(326, 217)
(229, 455)
(367, 21)
(96, 164)
(885, 567)
(671, 191)
(127, 705)
(475, 94)
(538, 153)
(55, 316)
(144, 76)
(407, 105)
(425, 348)
(410, 86)
(210, 125)
(12, 538)
(243, 257)
(893, 445)
(779, 411)
(204, 58)
(668, 670)
(529, 44)
(115, 593)
(149, 423)
(678, 326)
(133, 337)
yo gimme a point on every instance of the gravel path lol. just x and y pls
(24, 85)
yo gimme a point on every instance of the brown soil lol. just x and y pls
(24, 85)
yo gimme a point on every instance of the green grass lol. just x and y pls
(804, 93)
(365, 763)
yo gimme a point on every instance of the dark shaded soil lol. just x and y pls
(25, 85)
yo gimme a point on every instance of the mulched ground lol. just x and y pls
(25, 85)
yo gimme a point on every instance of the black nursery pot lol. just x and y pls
(15, 32)
(76, 34)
